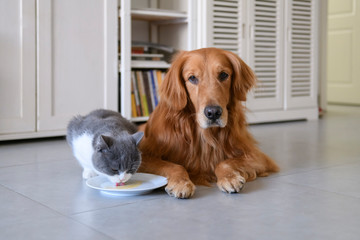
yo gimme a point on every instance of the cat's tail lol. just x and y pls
(74, 125)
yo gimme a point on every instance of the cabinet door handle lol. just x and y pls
(251, 32)
(289, 34)
(243, 30)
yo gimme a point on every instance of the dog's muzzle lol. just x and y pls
(213, 113)
(212, 116)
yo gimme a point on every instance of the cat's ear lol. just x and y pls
(105, 142)
(137, 137)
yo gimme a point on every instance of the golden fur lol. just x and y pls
(182, 144)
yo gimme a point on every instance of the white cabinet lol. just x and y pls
(77, 60)
(61, 60)
(278, 39)
(17, 67)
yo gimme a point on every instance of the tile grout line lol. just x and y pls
(312, 170)
(55, 211)
(315, 188)
(72, 216)
(33, 163)
(104, 208)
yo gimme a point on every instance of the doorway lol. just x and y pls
(343, 52)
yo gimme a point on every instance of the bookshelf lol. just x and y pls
(160, 22)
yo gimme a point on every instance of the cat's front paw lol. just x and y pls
(88, 173)
(180, 188)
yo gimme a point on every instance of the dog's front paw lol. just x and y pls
(232, 183)
(180, 188)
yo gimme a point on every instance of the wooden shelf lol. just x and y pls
(157, 14)
(143, 64)
(149, 64)
(139, 119)
(149, 14)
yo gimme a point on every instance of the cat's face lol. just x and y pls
(117, 157)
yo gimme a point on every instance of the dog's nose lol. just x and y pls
(213, 112)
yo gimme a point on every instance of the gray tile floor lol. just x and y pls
(315, 196)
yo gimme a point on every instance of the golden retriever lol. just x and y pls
(198, 133)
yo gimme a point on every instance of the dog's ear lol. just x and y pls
(243, 78)
(172, 90)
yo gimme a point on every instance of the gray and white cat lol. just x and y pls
(105, 143)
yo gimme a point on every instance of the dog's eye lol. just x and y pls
(223, 76)
(193, 79)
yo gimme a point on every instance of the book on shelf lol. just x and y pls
(145, 91)
(150, 51)
(154, 87)
(147, 60)
(151, 47)
(143, 100)
(136, 99)
(133, 106)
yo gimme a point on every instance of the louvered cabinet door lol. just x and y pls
(265, 46)
(221, 25)
(301, 53)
